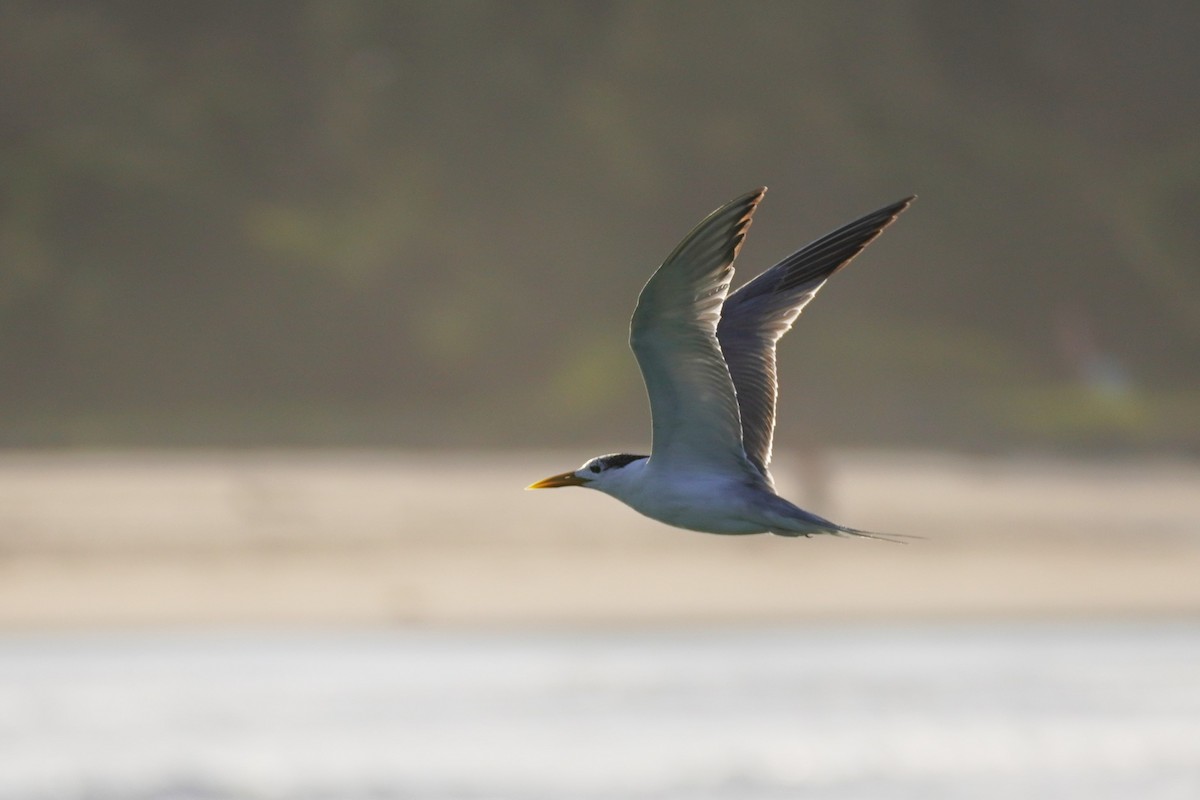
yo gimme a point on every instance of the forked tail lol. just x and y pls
(894, 538)
(791, 520)
(838, 530)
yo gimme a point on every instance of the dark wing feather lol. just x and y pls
(757, 314)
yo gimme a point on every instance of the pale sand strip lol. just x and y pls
(336, 538)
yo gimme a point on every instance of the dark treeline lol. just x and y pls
(426, 223)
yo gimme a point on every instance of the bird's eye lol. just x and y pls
(595, 468)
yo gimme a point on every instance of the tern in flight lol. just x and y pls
(708, 360)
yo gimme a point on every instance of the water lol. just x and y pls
(1007, 711)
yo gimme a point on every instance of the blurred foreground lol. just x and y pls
(1037, 711)
(295, 538)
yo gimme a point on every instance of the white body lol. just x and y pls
(698, 501)
(709, 502)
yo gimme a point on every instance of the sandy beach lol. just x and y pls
(366, 538)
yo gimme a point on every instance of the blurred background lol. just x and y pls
(426, 223)
(296, 296)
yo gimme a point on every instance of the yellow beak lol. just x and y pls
(555, 481)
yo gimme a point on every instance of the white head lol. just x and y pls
(602, 472)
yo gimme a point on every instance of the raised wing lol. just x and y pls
(674, 336)
(757, 314)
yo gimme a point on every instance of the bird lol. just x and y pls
(707, 358)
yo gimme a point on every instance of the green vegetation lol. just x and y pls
(426, 223)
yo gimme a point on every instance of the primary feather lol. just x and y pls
(755, 317)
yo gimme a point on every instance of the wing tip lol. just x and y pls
(750, 201)
(897, 208)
